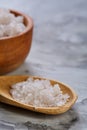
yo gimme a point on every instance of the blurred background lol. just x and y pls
(60, 31)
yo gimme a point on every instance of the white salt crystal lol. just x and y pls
(4, 11)
(19, 19)
(39, 93)
(1, 30)
(11, 29)
(12, 25)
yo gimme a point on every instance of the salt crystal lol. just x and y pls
(12, 25)
(19, 19)
(39, 93)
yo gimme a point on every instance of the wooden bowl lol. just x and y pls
(14, 50)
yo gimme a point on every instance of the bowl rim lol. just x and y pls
(28, 27)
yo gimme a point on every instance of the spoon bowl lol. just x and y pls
(7, 81)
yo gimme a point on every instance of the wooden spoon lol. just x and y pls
(5, 96)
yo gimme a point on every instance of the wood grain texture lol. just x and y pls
(5, 96)
(14, 50)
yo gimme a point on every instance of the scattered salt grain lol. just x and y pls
(39, 93)
(10, 25)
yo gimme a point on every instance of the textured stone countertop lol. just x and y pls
(59, 51)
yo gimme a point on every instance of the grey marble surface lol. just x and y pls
(59, 51)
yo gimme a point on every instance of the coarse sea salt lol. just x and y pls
(10, 25)
(39, 93)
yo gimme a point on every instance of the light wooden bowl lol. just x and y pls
(5, 96)
(14, 50)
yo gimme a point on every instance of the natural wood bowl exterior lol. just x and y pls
(5, 96)
(14, 50)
